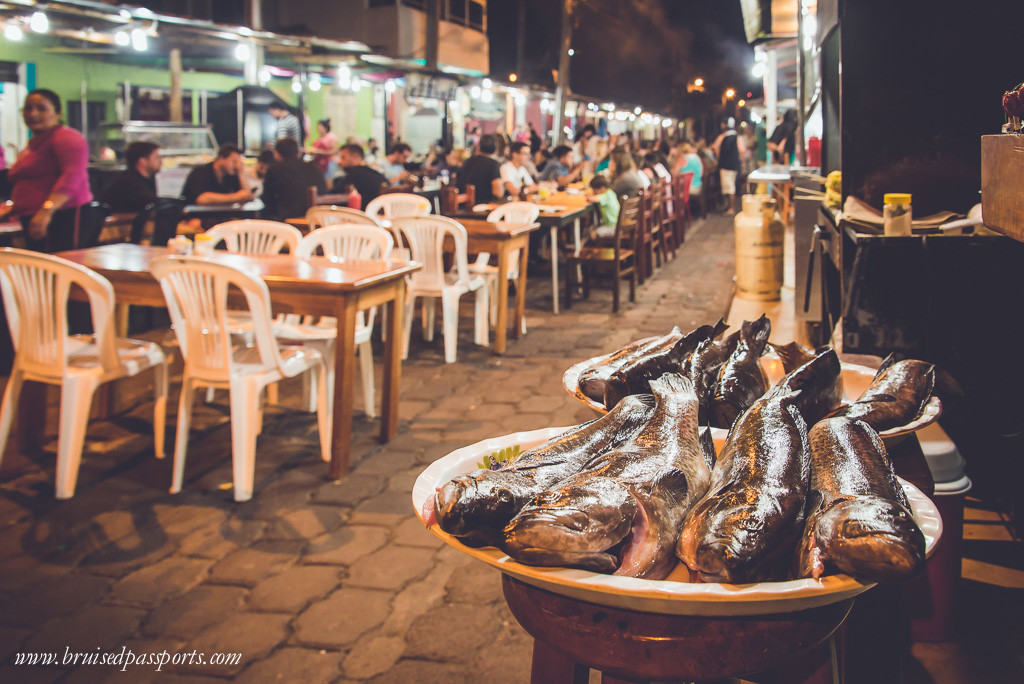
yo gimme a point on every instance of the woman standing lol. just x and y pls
(324, 148)
(50, 183)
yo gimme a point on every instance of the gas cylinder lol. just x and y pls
(759, 248)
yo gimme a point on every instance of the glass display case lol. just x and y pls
(182, 147)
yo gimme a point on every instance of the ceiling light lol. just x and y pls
(265, 76)
(13, 32)
(474, 92)
(139, 40)
(314, 82)
(486, 96)
(486, 83)
(122, 38)
(242, 52)
(39, 22)
(389, 86)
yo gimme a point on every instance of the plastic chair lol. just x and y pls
(255, 236)
(347, 241)
(425, 237)
(328, 215)
(398, 204)
(35, 291)
(196, 291)
(515, 212)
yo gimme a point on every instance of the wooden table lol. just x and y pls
(212, 214)
(503, 238)
(314, 286)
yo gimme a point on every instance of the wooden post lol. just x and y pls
(174, 62)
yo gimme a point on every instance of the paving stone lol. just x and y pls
(93, 626)
(216, 540)
(152, 585)
(21, 572)
(11, 639)
(345, 546)
(350, 490)
(390, 567)
(186, 615)
(466, 628)
(394, 506)
(373, 655)
(416, 598)
(53, 597)
(291, 590)
(474, 583)
(248, 566)
(341, 618)
(126, 668)
(412, 533)
(389, 461)
(295, 665)
(306, 523)
(253, 635)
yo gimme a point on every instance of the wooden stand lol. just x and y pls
(572, 636)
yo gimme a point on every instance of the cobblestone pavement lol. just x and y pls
(311, 580)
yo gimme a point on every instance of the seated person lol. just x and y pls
(135, 187)
(367, 181)
(222, 181)
(483, 172)
(514, 173)
(601, 192)
(393, 165)
(287, 183)
(560, 167)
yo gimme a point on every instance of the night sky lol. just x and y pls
(630, 51)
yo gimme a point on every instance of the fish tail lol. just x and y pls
(755, 333)
(673, 383)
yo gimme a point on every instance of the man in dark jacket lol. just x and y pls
(367, 181)
(286, 186)
(483, 172)
(135, 187)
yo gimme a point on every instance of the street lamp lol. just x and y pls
(730, 93)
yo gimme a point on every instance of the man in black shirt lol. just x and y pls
(367, 181)
(483, 172)
(286, 185)
(135, 187)
(222, 181)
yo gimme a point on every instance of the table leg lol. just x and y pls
(554, 268)
(392, 364)
(552, 667)
(501, 333)
(577, 242)
(518, 325)
(344, 387)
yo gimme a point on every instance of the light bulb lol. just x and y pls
(122, 38)
(139, 40)
(242, 52)
(12, 32)
(39, 22)
(314, 83)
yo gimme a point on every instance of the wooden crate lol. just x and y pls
(1002, 184)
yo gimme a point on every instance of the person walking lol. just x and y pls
(731, 152)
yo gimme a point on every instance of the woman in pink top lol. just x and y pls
(50, 183)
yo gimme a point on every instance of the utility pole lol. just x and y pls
(562, 87)
(433, 33)
(801, 157)
(520, 38)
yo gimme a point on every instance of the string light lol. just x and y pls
(39, 22)
(13, 32)
(139, 40)
(242, 52)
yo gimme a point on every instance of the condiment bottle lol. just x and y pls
(203, 244)
(896, 214)
(355, 200)
(522, 192)
(179, 245)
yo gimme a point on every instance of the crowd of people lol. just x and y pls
(51, 195)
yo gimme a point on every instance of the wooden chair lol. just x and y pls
(643, 241)
(620, 256)
(667, 219)
(681, 197)
(452, 200)
(315, 199)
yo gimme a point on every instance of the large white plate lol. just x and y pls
(856, 379)
(675, 595)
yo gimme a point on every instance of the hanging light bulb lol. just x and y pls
(122, 38)
(474, 92)
(389, 86)
(487, 96)
(39, 22)
(265, 76)
(139, 40)
(13, 32)
(242, 52)
(296, 85)
(357, 83)
(486, 83)
(314, 82)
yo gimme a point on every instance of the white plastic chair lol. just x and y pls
(325, 215)
(346, 241)
(425, 236)
(398, 204)
(515, 212)
(256, 236)
(196, 291)
(35, 291)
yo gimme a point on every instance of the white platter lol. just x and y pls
(856, 379)
(672, 596)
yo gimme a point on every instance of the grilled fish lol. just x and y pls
(477, 506)
(897, 395)
(622, 512)
(859, 518)
(592, 381)
(635, 376)
(741, 380)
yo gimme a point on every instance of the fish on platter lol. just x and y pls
(635, 376)
(476, 507)
(622, 512)
(897, 395)
(816, 386)
(859, 519)
(741, 379)
(592, 381)
(703, 368)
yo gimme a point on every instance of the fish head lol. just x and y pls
(576, 524)
(871, 537)
(475, 507)
(732, 555)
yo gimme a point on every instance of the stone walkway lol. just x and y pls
(312, 580)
